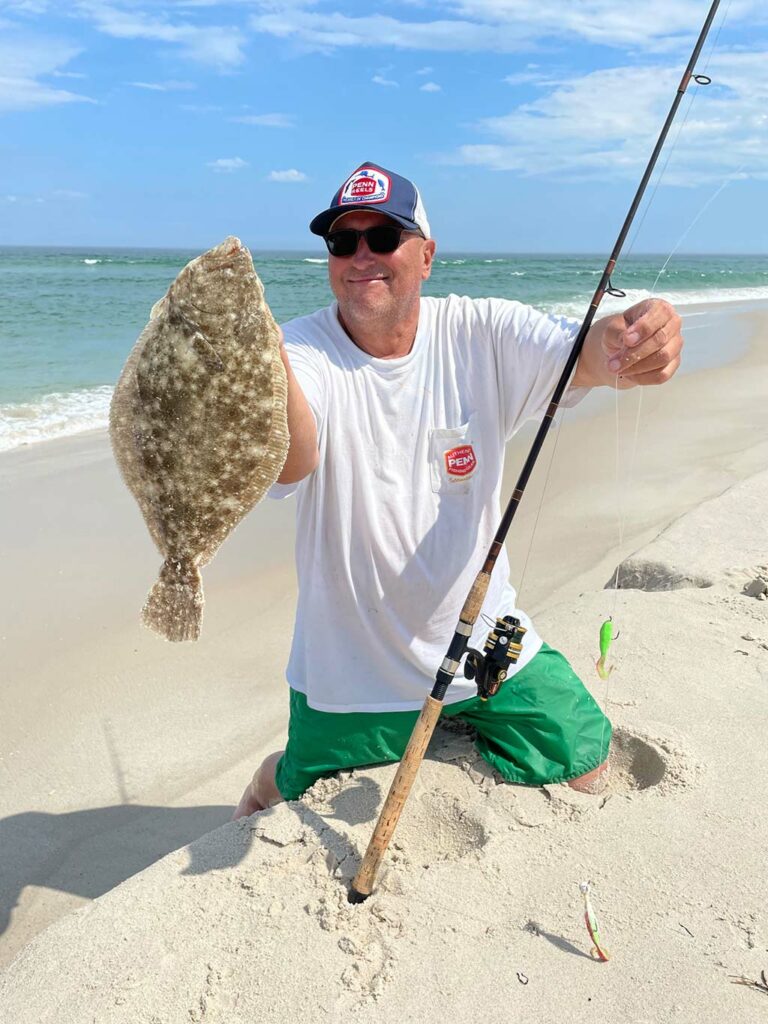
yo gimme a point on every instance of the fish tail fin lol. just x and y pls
(174, 606)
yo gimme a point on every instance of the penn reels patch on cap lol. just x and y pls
(367, 185)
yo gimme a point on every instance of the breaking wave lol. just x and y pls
(713, 296)
(54, 415)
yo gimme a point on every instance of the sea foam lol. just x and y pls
(54, 415)
(709, 296)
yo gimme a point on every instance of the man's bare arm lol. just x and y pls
(303, 454)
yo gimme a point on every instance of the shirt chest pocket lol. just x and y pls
(453, 458)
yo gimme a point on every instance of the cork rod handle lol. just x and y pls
(363, 882)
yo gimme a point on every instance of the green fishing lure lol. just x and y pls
(599, 952)
(606, 639)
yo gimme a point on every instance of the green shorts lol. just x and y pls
(542, 726)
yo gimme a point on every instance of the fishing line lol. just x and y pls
(723, 185)
(630, 475)
(544, 490)
(621, 505)
(633, 455)
(699, 77)
(691, 100)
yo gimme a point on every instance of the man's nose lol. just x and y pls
(363, 254)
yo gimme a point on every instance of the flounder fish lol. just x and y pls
(198, 423)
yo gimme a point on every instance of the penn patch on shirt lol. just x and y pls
(367, 185)
(460, 462)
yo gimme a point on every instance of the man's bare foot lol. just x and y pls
(261, 792)
(592, 782)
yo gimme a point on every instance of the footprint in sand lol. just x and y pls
(638, 762)
(633, 764)
(442, 828)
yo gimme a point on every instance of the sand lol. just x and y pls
(118, 749)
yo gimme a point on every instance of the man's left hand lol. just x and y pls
(637, 347)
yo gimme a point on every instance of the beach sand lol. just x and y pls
(118, 749)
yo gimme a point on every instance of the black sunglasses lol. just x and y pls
(383, 238)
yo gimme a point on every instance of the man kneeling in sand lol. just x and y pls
(399, 409)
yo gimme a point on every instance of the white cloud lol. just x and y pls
(425, 71)
(25, 6)
(331, 30)
(63, 194)
(289, 176)
(170, 86)
(528, 78)
(57, 194)
(228, 164)
(24, 61)
(381, 80)
(573, 132)
(431, 87)
(214, 45)
(26, 94)
(266, 120)
(504, 26)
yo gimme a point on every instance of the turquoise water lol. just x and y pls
(68, 317)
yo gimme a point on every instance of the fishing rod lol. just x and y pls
(504, 644)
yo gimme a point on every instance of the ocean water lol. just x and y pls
(69, 317)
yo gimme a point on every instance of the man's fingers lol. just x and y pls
(646, 318)
(658, 375)
(648, 350)
(652, 347)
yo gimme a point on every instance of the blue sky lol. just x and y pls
(526, 123)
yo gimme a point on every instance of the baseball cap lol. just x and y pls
(375, 188)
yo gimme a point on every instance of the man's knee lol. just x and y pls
(263, 785)
(261, 792)
(592, 782)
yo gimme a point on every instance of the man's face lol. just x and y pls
(373, 286)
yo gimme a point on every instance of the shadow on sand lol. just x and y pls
(87, 853)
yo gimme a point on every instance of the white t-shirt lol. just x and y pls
(396, 521)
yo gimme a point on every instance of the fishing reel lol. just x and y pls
(502, 649)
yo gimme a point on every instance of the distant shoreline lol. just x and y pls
(637, 255)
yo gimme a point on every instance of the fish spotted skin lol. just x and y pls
(198, 422)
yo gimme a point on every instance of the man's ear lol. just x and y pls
(428, 255)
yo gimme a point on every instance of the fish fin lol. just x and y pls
(159, 307)
(196, 339)
(206, 352)
(174, 606)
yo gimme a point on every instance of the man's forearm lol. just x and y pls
(303, 455)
